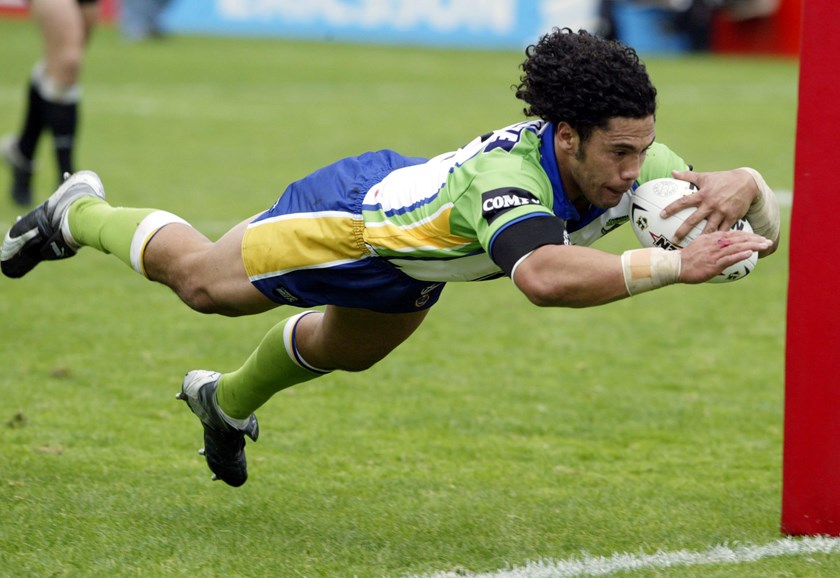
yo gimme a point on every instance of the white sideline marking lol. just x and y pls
(586, 565)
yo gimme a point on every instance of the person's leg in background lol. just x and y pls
(54, 92)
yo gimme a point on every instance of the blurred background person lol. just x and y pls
(679, 25)
(140, 19)
(689, 18)
(54, 91)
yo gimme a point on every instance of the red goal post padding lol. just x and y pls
(13, 8)
(811, 473)
(776, 32)
(108, 9)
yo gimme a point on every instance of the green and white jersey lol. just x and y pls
(438, 220)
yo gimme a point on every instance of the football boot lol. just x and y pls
(224, 444)
(43, 233)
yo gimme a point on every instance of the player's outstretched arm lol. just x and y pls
(572, 276)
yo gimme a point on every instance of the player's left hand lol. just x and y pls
(723, 198)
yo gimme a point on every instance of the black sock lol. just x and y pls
(33, 124)
(62, 120)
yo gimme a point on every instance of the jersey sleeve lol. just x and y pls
(510, 210)
(520, 238)
(499, 190)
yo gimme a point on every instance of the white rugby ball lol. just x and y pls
(649, 199)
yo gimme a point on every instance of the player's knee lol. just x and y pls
(67, 67)
(196, 295)
(188, 276)
(203, 300)
(196, 298)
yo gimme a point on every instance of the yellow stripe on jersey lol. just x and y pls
(301, 241)
(429, 234)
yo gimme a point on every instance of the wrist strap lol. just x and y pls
(763, 213)
(648, 269)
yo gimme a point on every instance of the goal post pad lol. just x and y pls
(811, 470)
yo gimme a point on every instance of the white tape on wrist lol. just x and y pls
(763, 213)
(648, 269)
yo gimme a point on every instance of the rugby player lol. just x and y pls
(375, 238)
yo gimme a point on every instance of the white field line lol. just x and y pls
(586, 565)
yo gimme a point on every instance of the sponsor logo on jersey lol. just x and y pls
(498, 201)
(615, 223)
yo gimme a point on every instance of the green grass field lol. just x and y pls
(499, 434)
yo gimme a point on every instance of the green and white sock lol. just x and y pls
(273, 366)
(123, 232)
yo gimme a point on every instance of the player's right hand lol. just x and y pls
(709, 254)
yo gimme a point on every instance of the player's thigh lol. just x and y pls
(63, 29)
(218, 271)
(353, 339)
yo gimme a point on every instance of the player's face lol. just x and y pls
(600, 170)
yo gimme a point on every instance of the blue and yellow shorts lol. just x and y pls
(308, 249)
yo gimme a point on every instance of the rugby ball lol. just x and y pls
(648, 200)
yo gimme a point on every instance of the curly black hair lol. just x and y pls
(584, 80)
